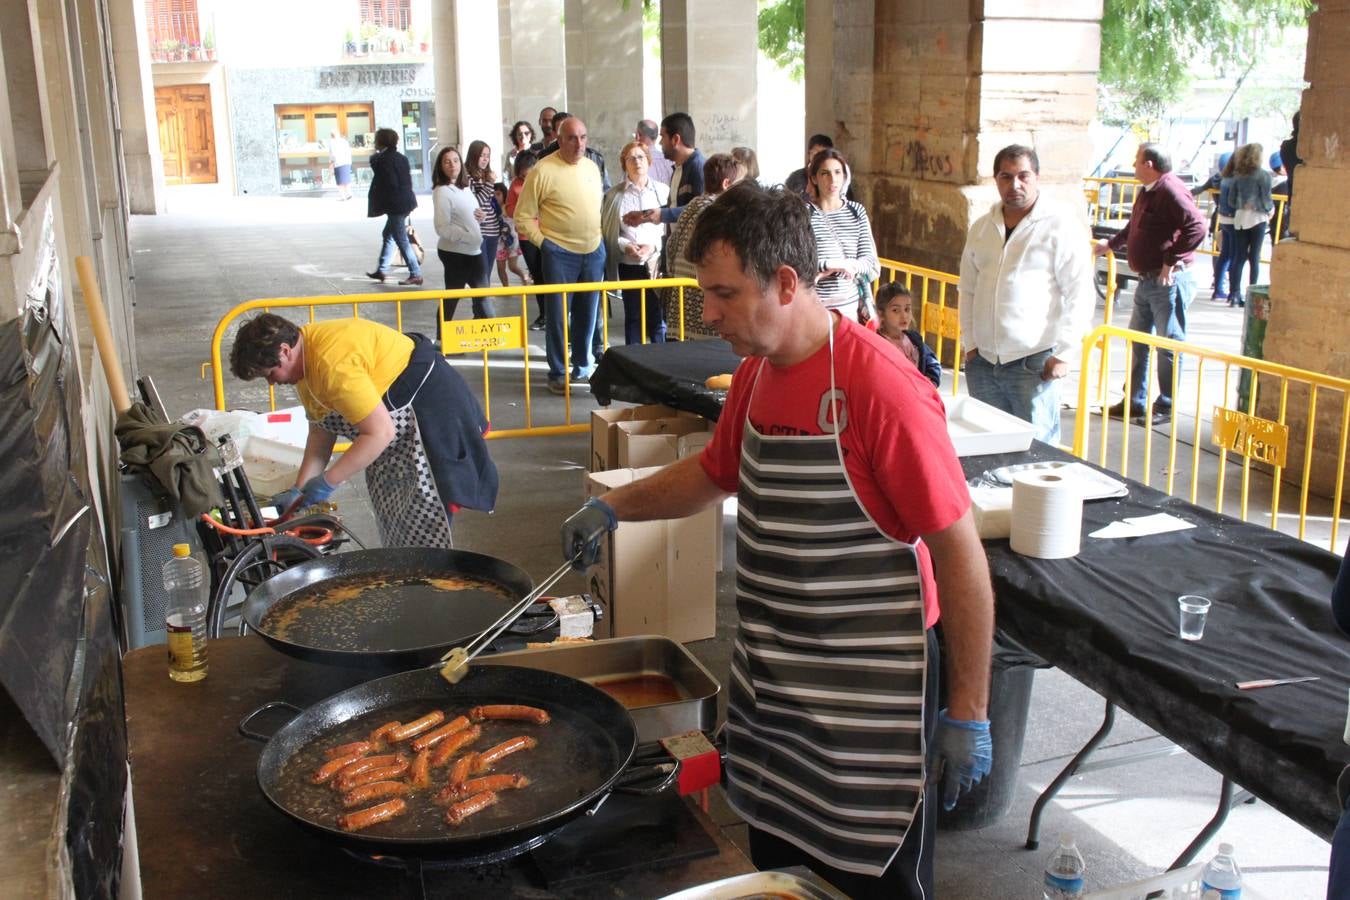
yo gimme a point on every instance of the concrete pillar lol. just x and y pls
(1310, 276)
(466, 55)
(136, 107)
(534, 69)
(920, 96)
(709, 62)
(604, 71)
(27, 95)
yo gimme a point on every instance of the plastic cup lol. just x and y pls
(1194, 611)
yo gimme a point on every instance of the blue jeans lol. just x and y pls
(1158, 309)
(396, 235)
(1246, 249)
(1222, 261)
(489, 258)
(632, 308)
(565, 267)
(1016, 387)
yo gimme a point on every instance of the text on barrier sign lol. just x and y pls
(473, 335)
(1259, 439)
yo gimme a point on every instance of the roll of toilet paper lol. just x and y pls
(1047, 515)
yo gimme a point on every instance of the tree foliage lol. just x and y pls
(1148, 47)
(782, 34)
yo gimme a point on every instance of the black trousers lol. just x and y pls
(463, 270)
(910, 874)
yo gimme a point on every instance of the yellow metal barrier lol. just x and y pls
(936, 315)
(1237, 418)
(467, 335)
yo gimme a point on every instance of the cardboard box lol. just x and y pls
(659, 442)
(605, 437)
(656, 577)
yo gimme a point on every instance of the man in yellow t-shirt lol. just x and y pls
(559, 212)
(407, 412)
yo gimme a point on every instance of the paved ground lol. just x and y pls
(211, 253)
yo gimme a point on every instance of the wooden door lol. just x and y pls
(186, 133)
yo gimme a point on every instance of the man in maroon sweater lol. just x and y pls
(1160, 239)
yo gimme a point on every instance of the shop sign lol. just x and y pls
(473, 335)
(367, 76)
(1259, 439)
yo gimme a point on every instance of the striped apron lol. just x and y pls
(825, 715)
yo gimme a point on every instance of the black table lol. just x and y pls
(1108, 617)
(672, 373)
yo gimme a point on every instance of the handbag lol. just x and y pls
(416, 245)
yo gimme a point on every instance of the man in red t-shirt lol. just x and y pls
(851, 501)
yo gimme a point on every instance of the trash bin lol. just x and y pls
(1253, 336)
(1009, 699)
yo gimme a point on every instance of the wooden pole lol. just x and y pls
(98, 320)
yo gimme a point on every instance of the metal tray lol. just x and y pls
(629, 656)
(797, 882)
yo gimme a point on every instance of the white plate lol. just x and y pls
(1095, 485)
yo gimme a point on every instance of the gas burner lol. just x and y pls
(413, 865)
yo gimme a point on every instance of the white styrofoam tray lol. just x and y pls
(976, 428)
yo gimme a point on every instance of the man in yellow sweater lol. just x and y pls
(559, 212)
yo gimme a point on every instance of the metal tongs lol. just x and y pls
(455, 664)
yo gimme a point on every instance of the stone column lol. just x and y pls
(604, 71)
(534, 69)
(136, 107)
(920, 96)
(709, 58)
(1310, 276)
(466, 56)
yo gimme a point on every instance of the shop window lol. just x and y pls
(302, 143)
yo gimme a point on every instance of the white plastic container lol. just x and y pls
(271, 466)
(976, 428)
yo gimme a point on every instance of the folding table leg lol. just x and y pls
(1034, 826)
(1226, 800)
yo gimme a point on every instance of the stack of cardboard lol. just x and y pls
(653, 577)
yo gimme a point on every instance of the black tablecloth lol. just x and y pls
(1108, 617)
(671, 373)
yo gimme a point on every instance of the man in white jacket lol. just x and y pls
(1026, 296)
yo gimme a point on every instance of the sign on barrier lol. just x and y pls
(475, 335)
(1260, 439)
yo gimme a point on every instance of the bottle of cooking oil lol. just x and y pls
(185, 621)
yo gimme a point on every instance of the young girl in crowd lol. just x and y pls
(508, 247)
(895, 308)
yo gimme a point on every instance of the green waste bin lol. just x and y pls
(1253, 336)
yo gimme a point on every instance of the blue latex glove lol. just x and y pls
(963, 753)
(284, 500)
(583, 531)
(316, 490)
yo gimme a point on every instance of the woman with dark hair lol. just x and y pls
(1248, 194)
(845, 252)
(458, 239)
(632, 252)
(521, 135)
(391, 195)
(720, 171)
(478, 163)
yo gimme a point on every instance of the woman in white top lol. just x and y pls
(844, 247)
(632, 251)
(459, 240)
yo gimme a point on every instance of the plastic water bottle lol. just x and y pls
(1064, 872)
(1221, 879)
(185, 620)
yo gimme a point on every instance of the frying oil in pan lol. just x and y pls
(379, 612)
(572, 759)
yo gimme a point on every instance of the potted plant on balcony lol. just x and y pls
(209, 44)
(349, 43)
(425, 44)
(368, 31)
(194, 52)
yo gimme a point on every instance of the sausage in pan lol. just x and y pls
(489, 758)
(510, 711)
(460, 771)
(348, 749)
(366, 763)
(432, 738)
(326, 771)
(414, 728)
(379, 733)
(345, 783)
(365, 818)
(374, 791)
(453, 744)
(420, 773)
(502, 782)
(456, 814)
